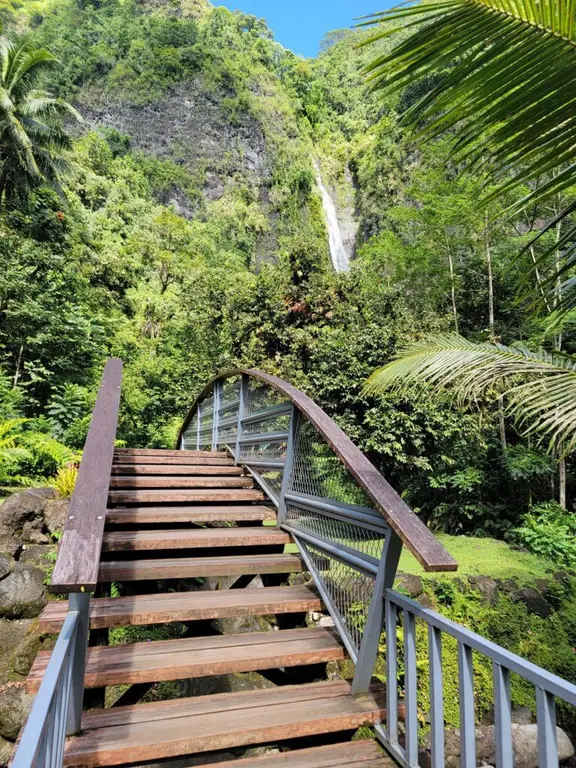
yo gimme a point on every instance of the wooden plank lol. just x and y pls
(176, 460)
(199, 538)
(199, 657)
(429, 552)
(165, 729)
(137, 610)
(188, 495)
(365, 753)
(127, 482)
(78, 560)
(198, 567)
(216, 514)
(169, 452)
(175, 469)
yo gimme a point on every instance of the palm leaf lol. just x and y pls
(539, 387)
(506, 90)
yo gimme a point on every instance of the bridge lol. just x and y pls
(263, 484)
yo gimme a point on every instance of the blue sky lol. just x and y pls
(301, 24)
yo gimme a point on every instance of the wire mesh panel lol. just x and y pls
(190, 434)
(317, 471)
(229, 408)
(347, 592)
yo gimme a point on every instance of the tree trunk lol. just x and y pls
(492, 328)
(562, 483)
(453, 292)
(18, 366)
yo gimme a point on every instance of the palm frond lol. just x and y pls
(539, 387)
(505, 87)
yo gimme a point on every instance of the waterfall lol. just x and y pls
(338, 252)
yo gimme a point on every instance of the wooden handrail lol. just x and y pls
(76, 568)
(414, 534)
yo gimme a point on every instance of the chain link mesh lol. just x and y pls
(317, 471)
(349, 534)
(349, 590)
(260, 396)
(190, 434)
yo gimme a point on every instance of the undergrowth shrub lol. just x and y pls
(550, 531)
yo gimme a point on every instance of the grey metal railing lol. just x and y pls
(315, 477)
(350, 526)
(57, 709)
(403, 613)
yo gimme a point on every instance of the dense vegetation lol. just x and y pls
(183, 260)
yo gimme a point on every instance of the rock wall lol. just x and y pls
(29, 524)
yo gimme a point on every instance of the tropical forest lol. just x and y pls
(389, 226)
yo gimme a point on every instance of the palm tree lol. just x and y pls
(32, 140)
(502, 80)
(503, 76)
(539, 387)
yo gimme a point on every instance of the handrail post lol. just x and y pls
(198, 427)
(243, 395)
(371, 636)
(288, 464)
(216, 418)
(80, 602)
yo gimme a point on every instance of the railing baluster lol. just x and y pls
(371, 636)
(411, 688)
(198, 427)
(216, 415)
(502, 717)
(80, 602)
(467, 719)
(244, 384)
(288, 463)
(546, 719)
(436, 696)
(391, 673)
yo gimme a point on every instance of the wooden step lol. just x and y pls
(158, 730)
(185, 606)
(176, 469)
(189, 495)
(216, 514)
(149, 460)
(167, 452)
(200, 657)
(198, 567)
(366, 754)
(136, 481)
(195, 538)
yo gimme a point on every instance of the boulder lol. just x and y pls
(410, 584)
(55, 514)
(37, 555)
(524, 741)
(25, 652)
(522, 716)
(15, 704)
(534, 601)
(22, 593)
(488, 589)
(6, 748)
(5, 565)
(22, 516)
(12, 634)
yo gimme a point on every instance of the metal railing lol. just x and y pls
(348, 523)
(401, 617)
(350, 526)
(57, 709)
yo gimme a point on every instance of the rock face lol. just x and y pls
(22, 593)
(22, 520)
(524, 741)
(15, 704)
(534, 601)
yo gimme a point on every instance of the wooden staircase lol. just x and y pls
(176, 515)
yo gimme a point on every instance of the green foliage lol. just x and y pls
(550, 531)
(482, 95)
(32, 140)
